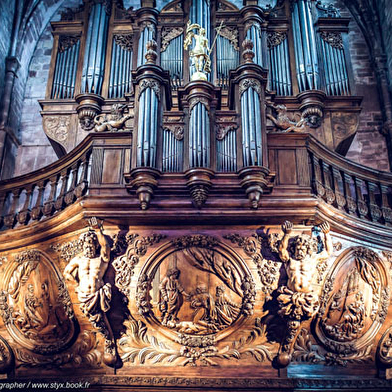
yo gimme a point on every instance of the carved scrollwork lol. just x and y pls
(384, 349)
(251, 23)
(152, 84)
(194, 101)
(332, 38)
(275, 38)
(57, 127)
(176, 130)
(124, 265)
(231, 34)
(67, 41)
(168, 34)
(125, 41)
(250, 83)
(68, 250)
(223, 130)
(150, 26)
(35, 305)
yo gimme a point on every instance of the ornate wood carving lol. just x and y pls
(35, 304)
(168, 34)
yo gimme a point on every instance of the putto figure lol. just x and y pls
(298, 301)
(88, 270)
(200, 54)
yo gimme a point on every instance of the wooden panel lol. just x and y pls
(303, 167)
(287, 167)
(271, 160)
(111, 166)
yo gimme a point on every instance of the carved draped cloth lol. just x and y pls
(97, 302)
(297, 305)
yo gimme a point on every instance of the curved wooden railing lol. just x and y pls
(350, 187)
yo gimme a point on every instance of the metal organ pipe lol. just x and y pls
(94, 57)
(199, 137)
(254, 33)
(146, 35)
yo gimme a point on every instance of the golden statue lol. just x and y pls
(200, 54)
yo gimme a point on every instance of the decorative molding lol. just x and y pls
(168, 34)
(222, 130)
(195, 100)
(176, 130)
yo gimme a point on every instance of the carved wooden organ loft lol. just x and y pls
(178, 192)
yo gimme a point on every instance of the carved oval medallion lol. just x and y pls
(195, 285)
(35, 304)
(354, 302)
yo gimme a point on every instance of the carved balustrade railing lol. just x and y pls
(46, 192)
(349, 187)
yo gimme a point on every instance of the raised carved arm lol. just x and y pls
(103, 241)
(287, 227)
(325, 228)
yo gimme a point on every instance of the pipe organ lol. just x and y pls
(201, 228)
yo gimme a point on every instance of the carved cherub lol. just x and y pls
(88, 270)
(111, 122)
(298, 301)
(283, 122)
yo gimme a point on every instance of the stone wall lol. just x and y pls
(7, 10)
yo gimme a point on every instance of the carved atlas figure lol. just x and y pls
(297, 300)
(88, 270)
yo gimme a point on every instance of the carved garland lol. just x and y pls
(223, 130)
(150, 26)
(168, 34)
(176, 130)
(250, 83)
(67, 41)
(252, 23)
(149, 83)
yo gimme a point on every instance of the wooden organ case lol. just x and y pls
(199, 233)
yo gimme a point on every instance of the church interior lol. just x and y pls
(196, 195)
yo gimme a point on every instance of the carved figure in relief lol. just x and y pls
(171, 297)
(200, 53)
(205, 312)
(226, 310)
(111, 122)
(282, 121)
(297, 300)
(94, 294)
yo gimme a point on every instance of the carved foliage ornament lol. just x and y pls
(67, 41)
(125, 41)
(354, 302)
(35, 304)
(231, 34)
(222, 130)
(250, 83)
(275, 38)
(168, 34)
(152, 84)
(252, 23)
(332, 38)
(194, 101)
(57, 127)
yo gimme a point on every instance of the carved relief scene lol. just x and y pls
(215, 213)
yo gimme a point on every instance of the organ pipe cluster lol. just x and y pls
(199, 137)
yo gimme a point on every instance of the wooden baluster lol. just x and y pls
(36, 211)
(24, 214)
(363, 209)
(375, 211)
(83, 182)
(48, 205)
(329, 193)
(318, 180)
(385, 207)
(59, 203)
(9, 219)
(70, 196)
(351, 204)
(338, 183)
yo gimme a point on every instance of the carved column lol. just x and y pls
(152, 91)
(200, 98)
(247, 96)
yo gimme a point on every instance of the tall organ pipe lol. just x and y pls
(94, 57)
(199, 137)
